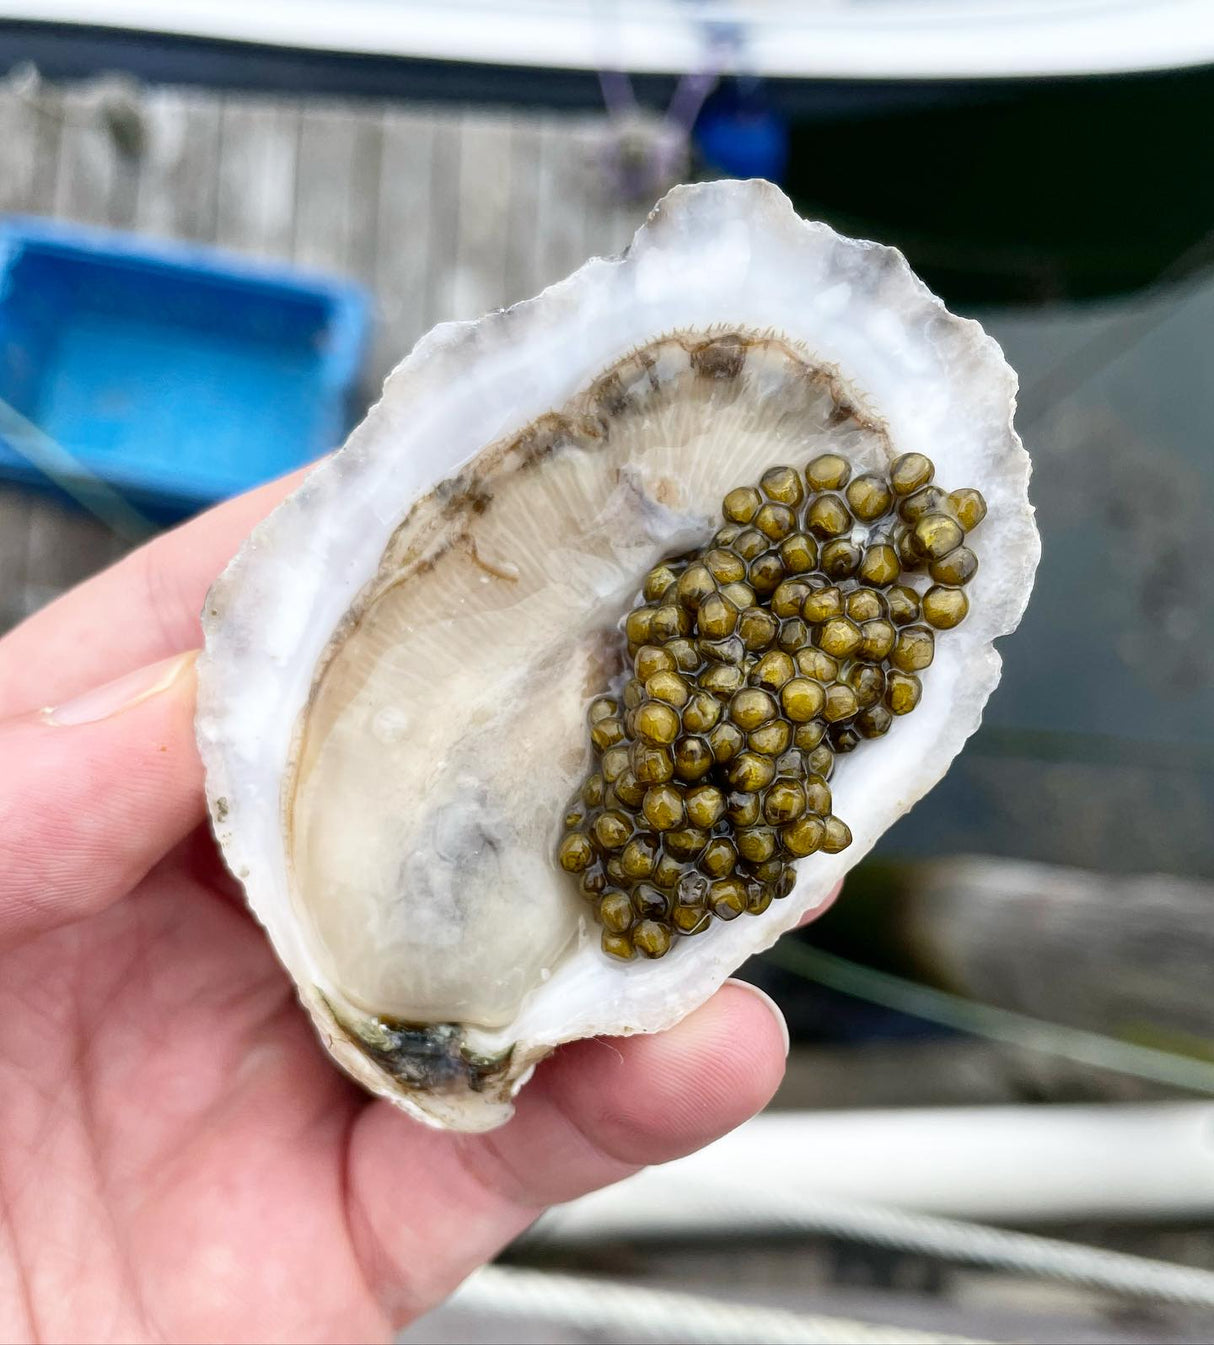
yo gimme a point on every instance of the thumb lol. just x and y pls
(93, 793)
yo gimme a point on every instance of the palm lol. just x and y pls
(178, 1159)
(162, 1078)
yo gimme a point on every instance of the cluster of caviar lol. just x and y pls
(797, 633)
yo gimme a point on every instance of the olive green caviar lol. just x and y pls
(802, 629)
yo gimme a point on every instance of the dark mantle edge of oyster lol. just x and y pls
(431, 1057)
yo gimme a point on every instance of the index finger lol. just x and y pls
(143, 608)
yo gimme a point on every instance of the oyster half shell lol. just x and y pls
(398, 663)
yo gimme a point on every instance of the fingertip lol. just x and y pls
(657, 1097)
(770, 1005)
(749, 1038)
(596, 1111)
(172, 679)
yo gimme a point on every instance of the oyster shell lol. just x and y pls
(399, 660)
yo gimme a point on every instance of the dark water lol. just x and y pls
(1075, 220)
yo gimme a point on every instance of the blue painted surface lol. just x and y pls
(177, 374)
(741, 133)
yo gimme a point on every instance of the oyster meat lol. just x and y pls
(625, 623)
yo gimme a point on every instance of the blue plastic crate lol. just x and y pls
(179, 375)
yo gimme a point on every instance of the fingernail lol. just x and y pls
(776, 1012)
(120, 694)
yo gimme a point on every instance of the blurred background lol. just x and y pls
(220, 229)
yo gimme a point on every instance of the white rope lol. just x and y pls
(615, 1307)
(1025, 1253)
(687, 1213)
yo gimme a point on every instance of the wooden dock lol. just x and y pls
(440, 213)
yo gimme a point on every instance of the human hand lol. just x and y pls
(178, 1158)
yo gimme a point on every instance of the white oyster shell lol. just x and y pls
(722, 257)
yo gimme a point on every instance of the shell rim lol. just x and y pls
(449, 340)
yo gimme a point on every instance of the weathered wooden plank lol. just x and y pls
(255, 205)
(1120, 954)
(562, 201)
(564, 206)
(30, 120)
(478, 276)
(404, 228)
(336, 190)
(121, 112)
(366, 186)
(178, 185)
(84, 175)
(17, 155)
(589, 142)
(617, 219)
(611, 217)
(14, 545)
(25, 186)
(65, 546)
(444, 216)
(99, 150)
(526, 140)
